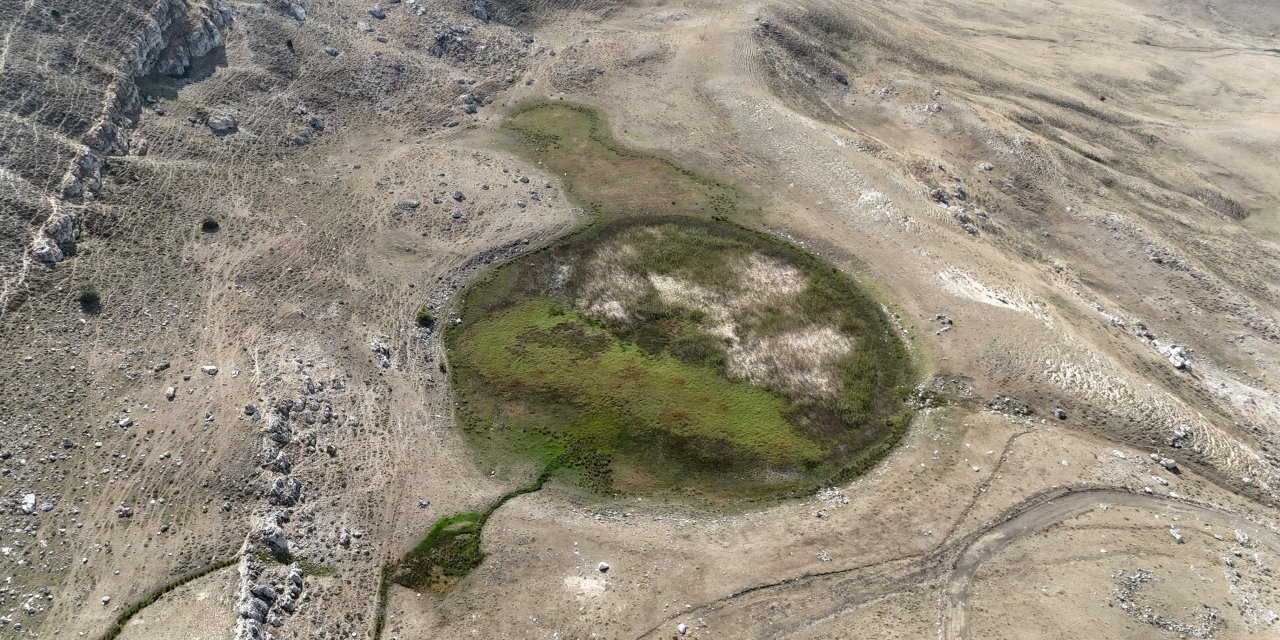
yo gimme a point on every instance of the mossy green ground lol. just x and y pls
(605, 177)
(646, 406)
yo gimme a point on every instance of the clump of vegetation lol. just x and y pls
(311, 568)
(680, 354)
(87, 293)
(665, 348)
(451, 549)
(209, 223)
(424, 317)
(606, 177)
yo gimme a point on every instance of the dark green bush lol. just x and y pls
(87, 293)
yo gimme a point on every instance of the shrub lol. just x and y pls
(209, 223)
(87, 293)
(425, 319)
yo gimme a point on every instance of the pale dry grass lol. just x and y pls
(801, 361)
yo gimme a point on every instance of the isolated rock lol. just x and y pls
(1169, 463)
(383, 352)
(264, 593)
(273, 537)
(377, 12)
(298, 12)
(124, 512)
(603, 567)
(254, 609)
(170, 393)
(210, 369)
(63, 228)
(28, 504)
(45, 250)
(223, 123)
(282, 463)
(285, 492)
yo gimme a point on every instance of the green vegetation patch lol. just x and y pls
(672, 354)
(449, 551)
(622, 398)
(606, 177)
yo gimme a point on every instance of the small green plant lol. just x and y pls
(312, 568)
(209, 223)
(424, 318)
(87, 293)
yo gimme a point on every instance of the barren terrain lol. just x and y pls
(218, 221)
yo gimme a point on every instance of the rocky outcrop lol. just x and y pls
(180, 32)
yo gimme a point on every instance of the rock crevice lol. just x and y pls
(179, 32)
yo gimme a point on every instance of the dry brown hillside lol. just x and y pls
(219, 219)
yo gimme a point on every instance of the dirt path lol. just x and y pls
(1039, 517)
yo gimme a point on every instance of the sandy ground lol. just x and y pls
(1104, 235)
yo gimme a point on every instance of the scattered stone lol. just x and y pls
(298, 12)
(1060, 414)
(333, 53)
(28, 504)
(124, 512)
(223, 123)
(377, 12)
(603, 567)
(125, 422)
(458, 196)
(383, 352)
(170, 393)
(1177, 535)
(210, 369)
(285, 492)
(840, 77)
(682, 628)
(1169, 464)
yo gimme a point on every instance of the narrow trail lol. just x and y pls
(1039, 517)
(958, 561)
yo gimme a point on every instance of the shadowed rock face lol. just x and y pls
(68, 87)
